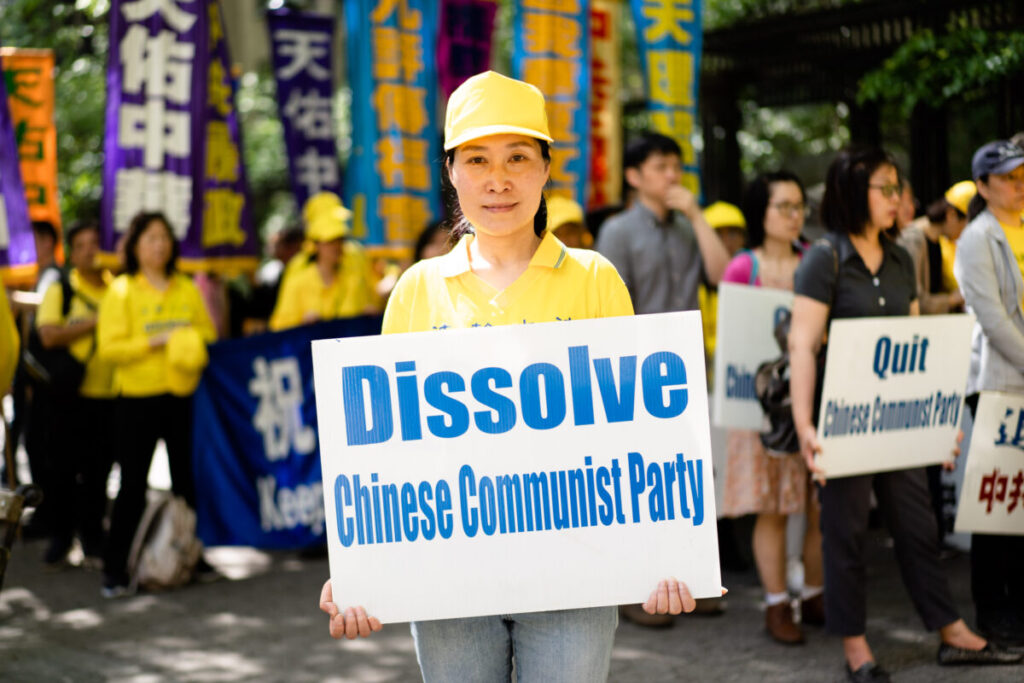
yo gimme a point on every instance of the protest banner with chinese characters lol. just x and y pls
(746, 338)
(992, 496)
(669, 35)
(392, 177)
(30, 94)
(605, 107)
(17, 246)
(463, 41)
(301, 44)
(551, 50)
(156, 103)
(225, 241)
(255, 435)
(514, 469)
(893, 391)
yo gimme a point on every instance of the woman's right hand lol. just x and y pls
(352, 623)
(810, 449)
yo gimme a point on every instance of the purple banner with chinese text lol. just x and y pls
(17, 248)
(464, 41)
(301, 47)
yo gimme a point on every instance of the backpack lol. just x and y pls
(165, 549)
(55, 368)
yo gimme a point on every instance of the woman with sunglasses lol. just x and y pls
(858, 271)
(506, 268)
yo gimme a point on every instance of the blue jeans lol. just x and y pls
(565, 645)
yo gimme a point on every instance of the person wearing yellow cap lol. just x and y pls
(931, 242)
(332, 283)
(566, 221)
(728, 222)
(154, 328)
(506, 268)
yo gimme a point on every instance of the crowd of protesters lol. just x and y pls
(140, 333)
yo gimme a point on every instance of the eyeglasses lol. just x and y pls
(788, 209)
(889, 191)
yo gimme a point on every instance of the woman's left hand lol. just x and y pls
(670, 597)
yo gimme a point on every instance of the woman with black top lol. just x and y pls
(859, 272)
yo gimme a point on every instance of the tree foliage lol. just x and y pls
(935, 68)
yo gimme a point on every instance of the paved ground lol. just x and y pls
(266, 627)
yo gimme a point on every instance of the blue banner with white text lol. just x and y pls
(255, 445)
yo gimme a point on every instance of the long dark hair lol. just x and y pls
(756, 198)
(459, 225)
(844, 208)
(978, 203)
(135, 230)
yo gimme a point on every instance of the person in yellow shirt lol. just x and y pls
(506, 269)
(567, 222)
(81, 450)
(334, 283)
(154, 328)
(10, 344)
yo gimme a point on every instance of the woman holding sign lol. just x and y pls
(988, 266)
(505, 269)
(857, 271)
(768, 484)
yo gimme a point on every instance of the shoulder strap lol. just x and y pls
(755, 266)
(67, 293)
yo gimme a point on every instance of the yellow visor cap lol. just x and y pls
(492, 104)
(326, 227)
(961, 194)
(324, 203)
(562, 210)
(724, 215)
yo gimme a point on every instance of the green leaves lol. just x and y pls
(933, 69)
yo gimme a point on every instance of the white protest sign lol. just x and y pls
(992, 497)
(893, 391)
(745, 338)
(520, 468)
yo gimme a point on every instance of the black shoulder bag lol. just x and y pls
(771, 383)
(55, 368)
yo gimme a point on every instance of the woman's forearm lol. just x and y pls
(802, 378)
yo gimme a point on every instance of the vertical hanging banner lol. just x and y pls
(225, 241)
(17, 248)
(391, 181)
(669, 36)
(551, 46)
(302, 59)
(30, 95)
(156, 102)
(605, 109)
(464, 41)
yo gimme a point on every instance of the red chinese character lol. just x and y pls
(993, 488)
(1015, 494)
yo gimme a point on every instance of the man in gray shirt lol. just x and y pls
(661, 245)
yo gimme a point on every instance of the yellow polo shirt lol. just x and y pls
(98, 381)
(1015, 237)
(132, 312)
(9, 343)
(559, 284)
(303, 291)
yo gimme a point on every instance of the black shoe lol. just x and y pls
(950, 655)
(869, 672)
(1007, 631)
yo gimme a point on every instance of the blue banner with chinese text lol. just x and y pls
(391, 182)
(669, 36)
(255, 445)
(552, 51)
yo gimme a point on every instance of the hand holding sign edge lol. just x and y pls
(351, 623)
(671, 596)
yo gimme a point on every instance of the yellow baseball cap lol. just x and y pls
(326, 227)
(724, 215)
(324, 203)
(186, 358)
(562, 210)
(961, 194)
(490, 104)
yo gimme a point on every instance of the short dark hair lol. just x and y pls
(756, 198)
(292, 234)
(78, 228)
(135, 230)
(936, 211)
(640, 149)
(45, 229)
(844, 208)
(459, 225)
(978, 203)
